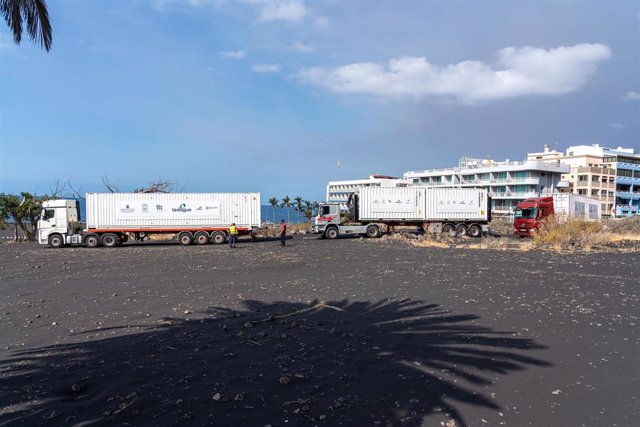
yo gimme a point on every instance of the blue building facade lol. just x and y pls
(627, 184)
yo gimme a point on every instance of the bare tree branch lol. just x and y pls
(113, 188)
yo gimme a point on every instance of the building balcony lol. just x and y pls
(513, 194)
(628, 195)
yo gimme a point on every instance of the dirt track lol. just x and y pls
(169, 335)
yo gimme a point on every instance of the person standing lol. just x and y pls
(233, 235)
(283, 232)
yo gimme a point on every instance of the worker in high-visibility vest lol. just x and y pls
(233, 235)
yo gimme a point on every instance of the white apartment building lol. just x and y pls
(508, 182)
(338, 191)
(606, 174)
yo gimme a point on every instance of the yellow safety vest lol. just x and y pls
(233, 229)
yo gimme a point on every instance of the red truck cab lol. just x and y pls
(528, 214)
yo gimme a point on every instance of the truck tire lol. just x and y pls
(185, 238)
(218, 238)
(373, 231)
(56, 241)
(109, 240)
(331, 233)
(201, 238)
(475, 230)
(449, 230)
(92, 241)
(461, 230)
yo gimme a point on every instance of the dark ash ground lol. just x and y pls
(159, 334)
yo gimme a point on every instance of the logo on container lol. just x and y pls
(127, 209)
(182, 208)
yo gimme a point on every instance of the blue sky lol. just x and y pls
(268, 96)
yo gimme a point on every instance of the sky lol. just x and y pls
(271, 96)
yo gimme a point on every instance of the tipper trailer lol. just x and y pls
(111, 218)
(454, 211)
(563, 206)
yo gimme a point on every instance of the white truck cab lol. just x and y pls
(57, 222)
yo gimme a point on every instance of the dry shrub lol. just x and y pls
(502, 226)
(623, 226)
(570, 234)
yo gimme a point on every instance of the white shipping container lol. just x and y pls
(391, 203)
(172, 210)
(422, 204)
(569, 205)
(456, 204)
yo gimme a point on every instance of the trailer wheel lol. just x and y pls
(109, 240)
(92, 241)
(461, 230)
(449, 230)
(475, 230)
(373, 231)
(331, 233)
(218, 238)
(202, 238)
(185, 238)
(56, 241)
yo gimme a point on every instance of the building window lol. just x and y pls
(624, 172)
(583, 178)
(521, 174)
(582, 191)
(594, 192)
(500, 176)
(595, 178)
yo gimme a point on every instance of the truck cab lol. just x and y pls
(529, 213)
(58, 222)
(328, 213)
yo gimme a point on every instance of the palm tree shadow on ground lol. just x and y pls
(352, 363)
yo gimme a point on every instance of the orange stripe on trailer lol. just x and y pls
(158, 230)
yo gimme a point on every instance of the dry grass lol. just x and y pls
(586, 235)
(567, 236)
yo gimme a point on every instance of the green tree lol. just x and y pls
(273, 202)
(286, 203)
(308, 210)
(33, 15)
(22, 211)
(299, 205)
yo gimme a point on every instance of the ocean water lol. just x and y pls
(266, 213)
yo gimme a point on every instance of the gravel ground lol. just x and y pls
(353, 332)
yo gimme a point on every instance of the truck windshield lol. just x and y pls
(527, 213)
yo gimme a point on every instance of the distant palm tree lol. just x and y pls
(299, 206)
(37, 24)
(308, 210)
(273, 202)
(286, 203)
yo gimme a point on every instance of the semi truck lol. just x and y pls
(453, 211)
(563, 206)
(113, 218)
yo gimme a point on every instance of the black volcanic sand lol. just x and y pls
(160, 334)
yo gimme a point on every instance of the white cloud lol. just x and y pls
(616, 126)
(300, 47)
(525, 71)
(632, 96)
(266, 68)
(233, 54)
(284, 10)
